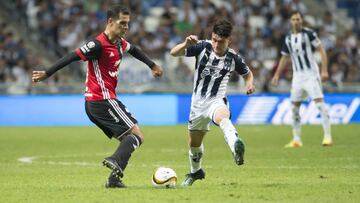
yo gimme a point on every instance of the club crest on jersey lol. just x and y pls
(91, 44)
(227, 64)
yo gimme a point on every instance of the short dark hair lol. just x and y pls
(223, 28)
(114, 10)
(295, 12)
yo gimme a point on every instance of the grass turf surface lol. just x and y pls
(67, 166)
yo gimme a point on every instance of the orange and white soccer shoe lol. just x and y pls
(294, 144)
(327, 142)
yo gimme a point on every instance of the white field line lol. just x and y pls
(52, 161)
(26, 160)
(35, 160)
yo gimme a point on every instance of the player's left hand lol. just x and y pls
(157, 71)
(250, 88)
(324, 75)
(38, 76)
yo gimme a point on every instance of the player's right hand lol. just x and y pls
(191, 40)
(38, 76)
(275, 80)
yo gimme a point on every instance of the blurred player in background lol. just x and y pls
(215, 62)
(298, 48)
(104, 54)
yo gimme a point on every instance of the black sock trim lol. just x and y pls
(138, 139)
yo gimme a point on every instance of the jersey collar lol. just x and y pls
(107, 38)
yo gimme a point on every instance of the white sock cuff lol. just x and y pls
(194, 150)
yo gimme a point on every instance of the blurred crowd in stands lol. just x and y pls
(15, 61)
(157, 25)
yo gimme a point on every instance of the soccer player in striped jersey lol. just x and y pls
(104, 54)
(298, 48)
(215, 62)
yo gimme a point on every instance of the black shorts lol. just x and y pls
(111, 116)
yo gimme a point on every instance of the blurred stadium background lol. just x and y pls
(35, 33)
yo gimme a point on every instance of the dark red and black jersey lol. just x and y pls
(103, 59)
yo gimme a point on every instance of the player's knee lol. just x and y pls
(225, 116)
(318, 100)
(136, 131)
(141, 137)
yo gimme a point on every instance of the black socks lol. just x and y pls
(125, 149)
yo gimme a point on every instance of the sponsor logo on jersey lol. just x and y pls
(210, 71)
(113, 74)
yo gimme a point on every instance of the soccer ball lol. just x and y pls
(164, 178)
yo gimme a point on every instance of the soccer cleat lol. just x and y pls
(114, 182)
(192, 177)
(294, 144)
(327, 142)
(112, 164)
(239, 152)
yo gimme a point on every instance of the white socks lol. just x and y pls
(196, 153)
(195, 157)
(230, 133)
(325, 119)
(296, 123)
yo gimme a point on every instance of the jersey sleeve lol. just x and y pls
(284, 49)
(240, 65)
(314, 39)
(195, 49)
(140, 55)
(90, 50)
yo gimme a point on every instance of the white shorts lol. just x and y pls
(201, 115)
(312, 88)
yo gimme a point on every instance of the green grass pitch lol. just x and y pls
(66, 166)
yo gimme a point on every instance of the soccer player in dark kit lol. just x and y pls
(104, 54)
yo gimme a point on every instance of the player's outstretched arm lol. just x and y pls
(283, 61)
(38, 76)
(156, 70)
(179, 50)
(249, 83)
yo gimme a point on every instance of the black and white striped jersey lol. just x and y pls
(300, 47)
(212, 72)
